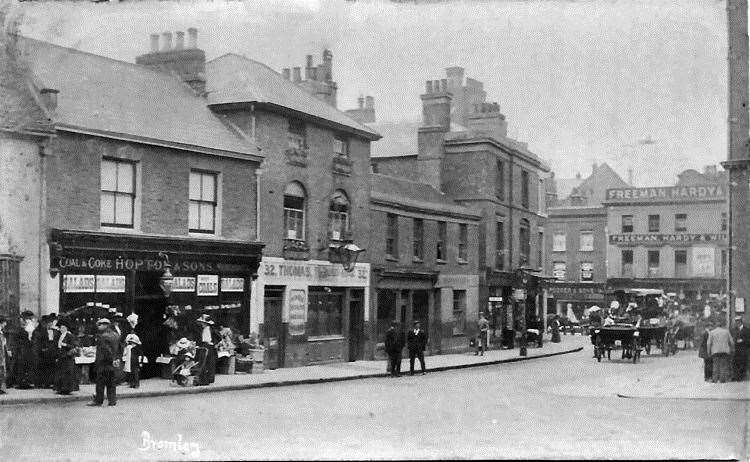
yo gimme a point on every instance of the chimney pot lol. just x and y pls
(309, 60)
(179, 41)
(444, 85)
(370, 102)
(297, 74)
(360, 102)
(436, 86)
(428, 87)
(166, 41)
(286, 73)
(192, 37)
(154, 43)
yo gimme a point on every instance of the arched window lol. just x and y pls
(294, 211)
(338, 216)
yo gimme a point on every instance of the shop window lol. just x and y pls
(118, 193)
(338, 216)
(724, 221)
(463, 242)
(386, 312)
(391, 238)
(525, 189)
(341, 146)
(680, 222)
(680, 263)
(500, 180)
(440, 246)
(418, 239)
(627, 223)
(500, 246)
(559, 269)
(202, 202)
(524, 238)
(653, 263)
(294, 211)
(626, 261)
(653, 223)
(324, 312)
(296, 135)
(459, 312)
(586, 241)
(559, 242)
(587, 271)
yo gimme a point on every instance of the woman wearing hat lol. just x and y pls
(66, 371)
(23, 350)
(131, 359)
(208, 338)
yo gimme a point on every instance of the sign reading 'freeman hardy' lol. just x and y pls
(670, 193)
(629, 238)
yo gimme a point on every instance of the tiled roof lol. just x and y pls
(412, 193)
(104, 96)
(233, 78)
(19, 111)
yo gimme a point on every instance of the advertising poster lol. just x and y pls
(208, 284)
(703, 261)
(79, 283)
(110, 283)
(297, 311)
(183, 284)
(232, 284)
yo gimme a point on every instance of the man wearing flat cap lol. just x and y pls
(107, 362)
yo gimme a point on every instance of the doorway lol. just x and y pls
(150, 306)
(273, 328)
(356, 324)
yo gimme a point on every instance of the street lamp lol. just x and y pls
(347, 254)
(166, 279)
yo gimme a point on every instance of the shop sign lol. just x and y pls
(587, 271)
(314, 273)
(668, 193)
(703, 261)
(519, 294)
(558, 270)
(630, 238)
(134, 264)
(582, 292)
(297, 311)
(208, 284)
(232, 284)
(183, 284)
(110, 283)
(79, 283)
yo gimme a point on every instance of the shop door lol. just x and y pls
(273, 335)
(356, 326)
(150, 306)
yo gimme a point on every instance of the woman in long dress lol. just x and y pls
(66, 371)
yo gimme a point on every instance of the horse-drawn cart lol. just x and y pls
(628, 336)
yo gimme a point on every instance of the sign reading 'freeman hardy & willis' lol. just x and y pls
(668, 194)
(629, 238)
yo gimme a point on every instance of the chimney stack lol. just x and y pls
(180, 40)
(360, 102)
(370, 102)
(192, 37)
(166, 41)
(436, 122)
(286, 73)
(297, 73)
(365, 111)
(487, 120)
(49, 98)
(154, 43)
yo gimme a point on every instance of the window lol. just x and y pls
(500, 246)
(391, 238)
(524, 237)
(118, 193)
(627, 263)
(587, 271)
(418, 239)
(540, 251)
(586, 241)
(440, 249)
(680, 263)
(559, 268)
(296, 134)
(653, 223)
(653, 263)
(324, 312)
(338, 216)
(723, 263)
(463, 242)
(294, 211)
(202, 202)
(724, 221)
(500, 181)
(627, 223)
(558, 242)
(680, 222)
(341, 146)
(459, 312)
(525, 189)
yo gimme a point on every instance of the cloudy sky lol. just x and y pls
(636, 83)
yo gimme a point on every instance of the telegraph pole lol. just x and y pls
(738, 160)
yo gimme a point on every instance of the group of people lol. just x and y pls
(724, 352)
(416, 342)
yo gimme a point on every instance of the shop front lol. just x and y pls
(104, 273)
(512, 305)
(311, 311)
(575, 297)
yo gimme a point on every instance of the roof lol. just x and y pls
(592, 188)
(19, 111)
(232, 79)
(106, 97)
(412, 194)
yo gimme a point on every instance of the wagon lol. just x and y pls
(654, 335)
(605, 338)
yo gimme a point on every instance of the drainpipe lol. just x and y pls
(252, 123)
(42, 271)
(258, 173)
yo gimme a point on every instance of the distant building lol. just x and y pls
(671, 237)
(318, 80)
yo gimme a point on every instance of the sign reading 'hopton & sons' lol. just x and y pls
(669, 193)
(629, 238)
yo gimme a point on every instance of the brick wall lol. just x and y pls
(571, 225)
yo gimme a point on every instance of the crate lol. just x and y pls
(228, 366)
(243, 365)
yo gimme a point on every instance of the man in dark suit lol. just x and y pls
(416, 342)
(394, 343)
(107, 361)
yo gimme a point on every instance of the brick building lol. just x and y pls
(314, 198)
(462, 150)
(672, 238)
(424, 257)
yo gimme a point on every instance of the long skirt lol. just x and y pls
(66, 375)
(722, 371)
(207, 373)
(25, 371)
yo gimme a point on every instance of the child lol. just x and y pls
(132, 357)
(184, 370)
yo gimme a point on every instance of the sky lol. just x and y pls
(638, 84)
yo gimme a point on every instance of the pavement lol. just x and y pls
(297, 375)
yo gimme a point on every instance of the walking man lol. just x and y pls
(394, 343)
(742, 346)
(483, 326)
(107, 362)
(720, 346)
(703, 352)
(416, 342)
